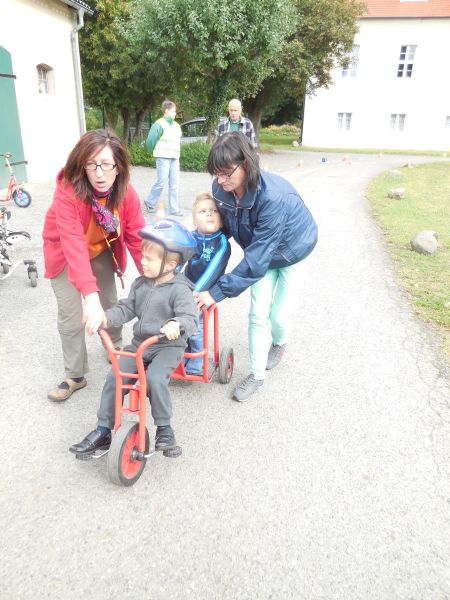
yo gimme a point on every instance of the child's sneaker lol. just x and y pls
(246, 388)
(275, 354)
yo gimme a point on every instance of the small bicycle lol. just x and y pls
(7, 239)
(15, 190)
(130, 446)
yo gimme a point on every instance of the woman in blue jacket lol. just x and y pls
(267, 217)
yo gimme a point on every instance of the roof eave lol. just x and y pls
(79, 4)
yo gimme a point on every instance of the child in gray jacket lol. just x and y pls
(162, 301)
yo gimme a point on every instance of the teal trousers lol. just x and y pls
(273, 300)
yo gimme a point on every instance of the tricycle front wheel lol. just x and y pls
(124, 468)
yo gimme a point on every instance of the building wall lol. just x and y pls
(35, 32)
(376, 92)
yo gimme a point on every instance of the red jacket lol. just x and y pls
(66, 223)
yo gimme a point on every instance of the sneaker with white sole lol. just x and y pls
(274, 355)
(246, 388)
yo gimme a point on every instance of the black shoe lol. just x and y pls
(165, 438)
(92, 442)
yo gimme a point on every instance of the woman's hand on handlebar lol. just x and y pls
(93, 313)
(171, 330)
(203, 299)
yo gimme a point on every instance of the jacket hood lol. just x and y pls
(179, 279)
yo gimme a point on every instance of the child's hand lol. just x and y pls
(171, 330)
(203, 299)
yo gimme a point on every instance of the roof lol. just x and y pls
(407, 9)
(79, 4)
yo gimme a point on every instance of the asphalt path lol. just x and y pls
(332, 482)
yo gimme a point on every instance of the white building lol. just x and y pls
(396, 94)
(41, 101)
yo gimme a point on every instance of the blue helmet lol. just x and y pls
(172, 235)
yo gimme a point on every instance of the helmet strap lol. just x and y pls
(162, 272)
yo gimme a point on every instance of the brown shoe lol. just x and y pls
(65, 389)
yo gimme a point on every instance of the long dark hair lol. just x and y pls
(91, 143)
(231, 149)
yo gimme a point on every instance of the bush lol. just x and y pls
(194, 156)
(282, 130)
(139, 155)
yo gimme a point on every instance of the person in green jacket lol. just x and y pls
(164, 142)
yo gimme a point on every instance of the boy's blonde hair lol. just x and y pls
(152, 244)
(199, 198)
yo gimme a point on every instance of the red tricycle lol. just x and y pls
(130, 446)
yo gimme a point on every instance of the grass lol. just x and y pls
(426, 206)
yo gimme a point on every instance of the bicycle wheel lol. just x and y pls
(22, 198)
(123, 467)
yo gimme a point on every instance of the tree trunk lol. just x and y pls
(112, 116)
(255, 109)
(126, 123)
(140, 116)
(218, 97)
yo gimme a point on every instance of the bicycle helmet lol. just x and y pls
(173, 236)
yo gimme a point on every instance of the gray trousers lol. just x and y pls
(70, 313)
(164, 359)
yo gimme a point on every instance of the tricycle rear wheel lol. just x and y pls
(226, 365)
(123, 466)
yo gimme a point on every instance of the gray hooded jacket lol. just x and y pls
(154, 305)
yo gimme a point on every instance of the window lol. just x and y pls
(45, 79)
(351, 61)
(397, 122)
(447, 122)
(405, 66)
(344, 120)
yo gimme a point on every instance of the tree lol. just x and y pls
(115, 77)
(323, 37)
(215, 49)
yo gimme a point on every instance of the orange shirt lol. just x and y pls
(95, 235)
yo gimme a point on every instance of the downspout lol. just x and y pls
(77, 70)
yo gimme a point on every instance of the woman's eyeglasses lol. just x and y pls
(92, 166)
(227, 175)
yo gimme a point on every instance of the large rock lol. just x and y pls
(395, 173)
(397, 193)
(425, 242)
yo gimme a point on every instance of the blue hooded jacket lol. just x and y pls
(271, 224)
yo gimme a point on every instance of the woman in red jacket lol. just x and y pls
(94, 218)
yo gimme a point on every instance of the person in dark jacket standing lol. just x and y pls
(267, 217)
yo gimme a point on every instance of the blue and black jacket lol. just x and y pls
(210, 260)
(272, 225)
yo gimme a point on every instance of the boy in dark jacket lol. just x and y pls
(208, 263)
(162, 301)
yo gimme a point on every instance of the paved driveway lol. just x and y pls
(333, 482)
